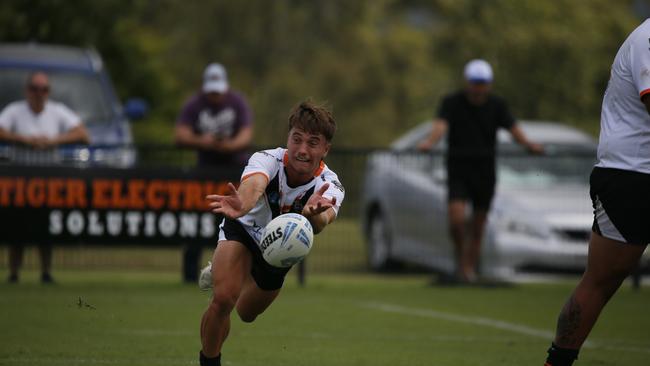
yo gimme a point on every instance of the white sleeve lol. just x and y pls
(6, 118)
(69, 119)
(640, 61)
(335, 190)
(262, 162)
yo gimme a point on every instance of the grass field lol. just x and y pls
(148, 318)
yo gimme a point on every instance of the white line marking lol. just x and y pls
(156, 332)
(473, 320)
(621, 348)
(94, 361)
(492, 323)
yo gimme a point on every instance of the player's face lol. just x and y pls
(305, 152)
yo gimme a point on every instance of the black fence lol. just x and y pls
(340, 248)
(364, 173)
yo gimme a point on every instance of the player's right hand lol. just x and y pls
(229, 205)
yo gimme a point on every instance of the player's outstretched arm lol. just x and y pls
(238, 202)
(319, 210)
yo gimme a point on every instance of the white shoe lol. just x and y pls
(205, 278)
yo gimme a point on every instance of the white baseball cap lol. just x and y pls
(478, 71)
(215, 79)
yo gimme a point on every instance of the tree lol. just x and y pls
(382, 64)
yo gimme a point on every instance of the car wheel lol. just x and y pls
(379, 244)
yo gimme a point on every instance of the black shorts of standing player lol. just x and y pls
(266, 276)
(621, 199)
(474, 186)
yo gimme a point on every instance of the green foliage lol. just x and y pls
(382, 64)
(551, 58)
(107, 26)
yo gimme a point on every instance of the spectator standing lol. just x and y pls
(218, 123)
(470, 118)
(40, 124)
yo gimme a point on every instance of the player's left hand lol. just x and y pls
(317, 204)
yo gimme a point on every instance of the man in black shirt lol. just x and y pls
(471, 118)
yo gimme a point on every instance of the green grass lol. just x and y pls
(148, 318)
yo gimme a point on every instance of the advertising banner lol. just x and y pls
(60, 205)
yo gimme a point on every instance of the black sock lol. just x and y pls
(207, 361)
(558, 356)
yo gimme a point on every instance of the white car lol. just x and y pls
(541, 214)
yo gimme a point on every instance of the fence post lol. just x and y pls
(302, 272)
(636, 278)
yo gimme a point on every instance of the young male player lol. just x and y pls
(275, 181)
(620, 193)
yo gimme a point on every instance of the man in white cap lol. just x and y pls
(470, 118)
(219, 124)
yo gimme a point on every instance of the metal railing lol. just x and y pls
(341, 248)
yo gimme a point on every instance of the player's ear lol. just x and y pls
(328, 145)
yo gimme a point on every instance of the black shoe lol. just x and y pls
(13, 278)
(47, 279)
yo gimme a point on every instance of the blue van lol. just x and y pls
(79, 80)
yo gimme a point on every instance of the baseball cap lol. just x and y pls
(215, 79)
(478, 71)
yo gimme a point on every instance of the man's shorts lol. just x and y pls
(621, 199)
(266, 276)
(471, 186)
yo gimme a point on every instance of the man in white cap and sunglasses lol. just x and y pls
(218, 122)
(470, 118)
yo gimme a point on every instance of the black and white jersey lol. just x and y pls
(279, 198)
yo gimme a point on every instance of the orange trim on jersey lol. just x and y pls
(317, 172)
(644, 92)
(320, 169)
(252, 174)
(286, 208)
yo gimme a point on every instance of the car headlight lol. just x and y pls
(525, 227)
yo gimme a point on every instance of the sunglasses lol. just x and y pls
(38, 88)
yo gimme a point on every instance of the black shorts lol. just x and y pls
(621, 199)
(266, 276)
(470, 186)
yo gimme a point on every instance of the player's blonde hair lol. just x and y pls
(313, 118)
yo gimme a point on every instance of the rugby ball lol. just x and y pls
(286, 240)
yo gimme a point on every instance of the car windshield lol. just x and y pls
(82, 92)
(545, 171)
